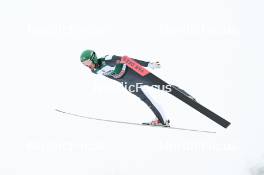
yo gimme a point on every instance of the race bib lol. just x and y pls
(134, 66)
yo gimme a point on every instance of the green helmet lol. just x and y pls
(89, 55)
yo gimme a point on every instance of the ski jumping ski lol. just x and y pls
(132, 123)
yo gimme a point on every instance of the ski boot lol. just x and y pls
(156, 122)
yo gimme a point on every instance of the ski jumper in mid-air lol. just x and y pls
(112, 67)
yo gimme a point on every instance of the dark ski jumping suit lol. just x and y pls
(111, 67)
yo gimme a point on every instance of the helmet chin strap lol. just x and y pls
(98, 64)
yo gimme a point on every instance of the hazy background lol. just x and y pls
(212, 49)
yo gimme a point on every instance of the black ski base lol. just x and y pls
(180, 94)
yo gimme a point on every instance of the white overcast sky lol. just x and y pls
(212, 49)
